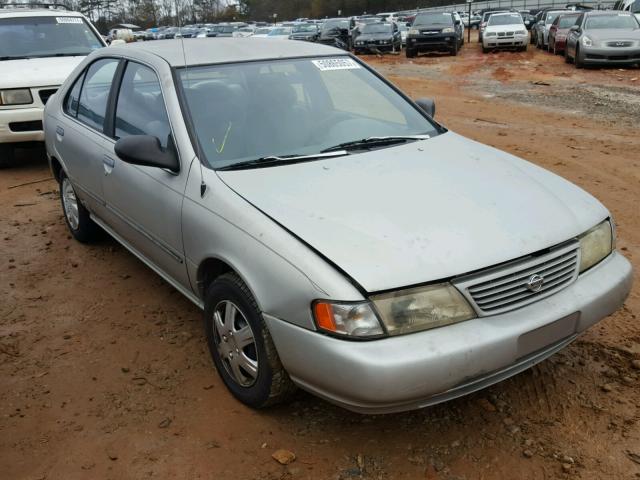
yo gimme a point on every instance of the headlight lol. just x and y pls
(414, 31)
(448, 30)
(490, 34)
(586, 41)
(347, 319)
(422, 308)
(521, 32)
(16, 96)
(596, 245)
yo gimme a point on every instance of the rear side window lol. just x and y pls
(73, 97)
(92, 106)
(140, 109)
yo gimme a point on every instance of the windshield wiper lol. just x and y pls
(74, 54)
(375, 141)
(282, 160)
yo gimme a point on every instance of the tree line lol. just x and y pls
(150, 13)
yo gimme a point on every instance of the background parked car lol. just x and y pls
(485, 18)
(307, 32)
(38, 50)
(542, 26)
(505, 30)
(604, 38)
(432, 32)
(631, 6)
(378, 37)
(559, 30)
(337, 32)
(280, 33)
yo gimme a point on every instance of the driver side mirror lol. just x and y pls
(145, 150)
(427, 105)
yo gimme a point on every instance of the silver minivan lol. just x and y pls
(337, 238)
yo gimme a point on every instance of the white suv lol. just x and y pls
(38, 50)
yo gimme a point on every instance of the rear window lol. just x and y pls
(36, 37)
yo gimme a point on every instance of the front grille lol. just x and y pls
(505, 34)
(620, 44)
(31, 126)
(46, 93)
(506, 287)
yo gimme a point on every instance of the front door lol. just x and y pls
(144, 204)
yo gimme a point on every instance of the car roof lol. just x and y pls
(37, 12)
(610, 13)
(206, 51)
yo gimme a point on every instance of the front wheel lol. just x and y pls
(7, 155)
(241, 347)
(76, 215)
(576, 59)
(485, 50)
(454, 49)
(410, 52)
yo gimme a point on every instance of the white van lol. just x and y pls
(39, 47)
(632, 6)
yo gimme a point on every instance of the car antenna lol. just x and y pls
(203, 186)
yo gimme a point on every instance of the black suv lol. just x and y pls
(378, 37)
(432, 32)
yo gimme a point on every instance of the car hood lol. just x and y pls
(420, 212)
(613, 34)
(374, 36)
(37, 72)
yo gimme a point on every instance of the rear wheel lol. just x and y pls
(410, 52)
(7, 155)
(241, 347)
(76, 215)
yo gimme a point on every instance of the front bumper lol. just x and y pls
(505, 42)
(611, 55)
(425, 368)
(21, 125)
(374, 45)
(432, 43)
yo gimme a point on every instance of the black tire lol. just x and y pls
(272, 384)
(86, 230)
(485, 50)
(567, 59)
(454, 49)
(410, 52)
(7, 155)
(576, 59)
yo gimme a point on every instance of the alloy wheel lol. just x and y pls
(235, 343)
(70, 204)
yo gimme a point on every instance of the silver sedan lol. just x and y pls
(337, 238)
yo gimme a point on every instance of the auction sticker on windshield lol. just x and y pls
(335, 64)
(68, 20)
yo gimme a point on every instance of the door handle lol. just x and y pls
(108, 164)
(59, 133)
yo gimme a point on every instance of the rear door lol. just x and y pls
(144, 204)
(80, 137)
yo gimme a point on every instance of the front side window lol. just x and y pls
(248, 111)
(37, 37)
(140, 107)
(567, 21)
(92, 106)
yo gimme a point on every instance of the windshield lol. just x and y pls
(262, 31)
(280, 31)
(305, 28)
(331, 24)
(611, 21)
(551, 16)
(567, 21)
(511, 19)
(248, 111)
(46, 37)
(377, 28)
(433, 19)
